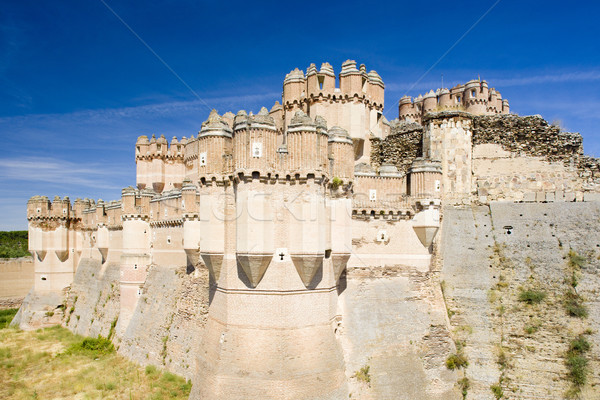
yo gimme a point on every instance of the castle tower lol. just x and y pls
(135, 257)
(340, 151)
(294, 94)
(53, 242)
(158, 152)
(174, 165)
(269, 332)
(448, 138)
(254, 142)
(429, 102)
(475, 97)
(407, 111)
(306, 144)
(444, 99)
(143, 162)
(356, 106)
(214, 142)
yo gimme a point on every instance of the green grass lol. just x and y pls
(532, 296)
(92, 347)
(13, 244)
(54, 363)
(6, 316)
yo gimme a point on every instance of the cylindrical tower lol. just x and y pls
(135, 257)
(214, 141)
(341, 155)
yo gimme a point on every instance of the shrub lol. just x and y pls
(497, 390)
(578, 366)
(363, 375)
(574, 305)
(464, 386)
(457, 361)
(336, 183)
(576, 361)
(579, 345)
(93, 347)
(575, 260)
(531, 296)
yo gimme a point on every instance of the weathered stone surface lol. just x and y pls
(486, 268)
(400, 148)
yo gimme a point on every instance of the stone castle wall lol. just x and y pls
(486, 266)
(16, 279)
(400, 148)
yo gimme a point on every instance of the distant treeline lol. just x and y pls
(13, 244)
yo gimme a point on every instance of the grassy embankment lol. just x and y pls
(54, 363)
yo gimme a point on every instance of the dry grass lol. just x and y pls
(36, 365)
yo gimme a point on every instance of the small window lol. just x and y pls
(473, 93)
(64, 211)
(183, 204)
(178, 148)
(139, 292)
(158, 147)
(458, 99)
(321, 80)
(39, 210)
(202, 158)
(168, 239)
(438, 186)
(382, 236)
(44, 278)
(134, 266)
(138, 149)
(372, 194)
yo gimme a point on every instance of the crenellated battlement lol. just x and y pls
(473, 97)
(353, 84)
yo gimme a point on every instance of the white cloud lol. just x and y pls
(56, 171)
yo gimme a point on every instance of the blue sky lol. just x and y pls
(77, 87)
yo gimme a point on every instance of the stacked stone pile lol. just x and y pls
(533, 136)
(400, 148)
(530, 135)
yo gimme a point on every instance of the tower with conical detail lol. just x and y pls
(270, 331)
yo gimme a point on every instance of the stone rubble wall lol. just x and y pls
(528, 135)
(533, 136)
(400, 148)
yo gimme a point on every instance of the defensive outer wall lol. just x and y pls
(275, 255)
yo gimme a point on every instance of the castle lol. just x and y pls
(279, 205)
